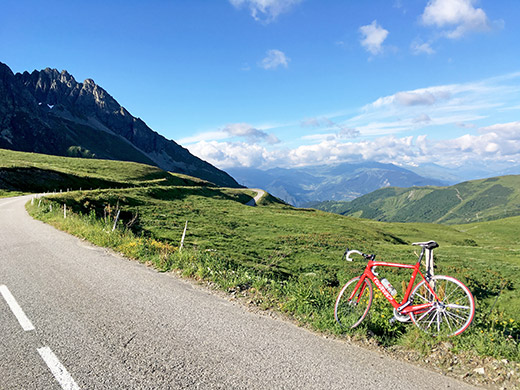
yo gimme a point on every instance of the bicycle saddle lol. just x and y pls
(427, 244)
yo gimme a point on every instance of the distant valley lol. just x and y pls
(304, 186)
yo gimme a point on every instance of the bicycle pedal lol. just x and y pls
(392, 320)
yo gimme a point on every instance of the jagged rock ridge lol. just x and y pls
(50, 112)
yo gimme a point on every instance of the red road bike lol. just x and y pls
(439, 305)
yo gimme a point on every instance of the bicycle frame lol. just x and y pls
(404, 307)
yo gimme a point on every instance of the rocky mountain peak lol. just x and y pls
(48, 111)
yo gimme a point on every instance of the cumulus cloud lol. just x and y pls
(373, 36)
(498, 143)
(252, 134)
(450, 108)
(419, 47)
(274, 59)
(458, 17)
(418, 97)
(265, 10)
(508, 131)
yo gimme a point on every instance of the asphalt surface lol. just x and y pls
(104, 322)
(258, 196)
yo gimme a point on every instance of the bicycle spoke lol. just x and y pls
(431, 321)
(456, 316)
(352, 305)
(448, 321)
(425, 314)
(455, 306)
(452, 314)
(423, 298)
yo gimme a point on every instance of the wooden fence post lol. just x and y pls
(183, 235)
(117, 218)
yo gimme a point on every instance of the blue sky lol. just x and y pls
(269, 83)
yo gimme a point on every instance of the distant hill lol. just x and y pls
(50, 112)
(301, 186)
(471, 201)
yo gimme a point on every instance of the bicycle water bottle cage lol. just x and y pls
(427, 244)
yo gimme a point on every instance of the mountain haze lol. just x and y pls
(50, 112)
(304, 186)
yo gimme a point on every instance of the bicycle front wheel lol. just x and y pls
(349, 312)
(451, 314)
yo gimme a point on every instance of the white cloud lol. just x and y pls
(388, 130)
(234, 154)
(509, 131)
(466, 125)
(265, 10)
(422, 118)
(498, 143)
(418, 97)
(341, 131)
(242, 130)
(457, 16)
(274, 59)
(418, 47)
(373, 37)
(206, 136)
(250, 133)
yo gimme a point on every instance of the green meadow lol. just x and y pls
(22, 172)
(291, 260)
(274, 256)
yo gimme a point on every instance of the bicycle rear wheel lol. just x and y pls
(449, 316)
(350, 312)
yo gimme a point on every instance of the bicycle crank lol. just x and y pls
(401, 317)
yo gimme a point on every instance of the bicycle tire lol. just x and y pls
(350, 313)
(451, 315)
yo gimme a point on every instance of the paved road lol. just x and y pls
(258, 196)
(103, 322)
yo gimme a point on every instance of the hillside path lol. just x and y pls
(73, 316)
(258, 196)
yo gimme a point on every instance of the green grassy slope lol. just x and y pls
(472, 201)
(32, 172)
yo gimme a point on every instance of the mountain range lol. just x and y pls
(470, 201)
(303, 187)
(50, 112)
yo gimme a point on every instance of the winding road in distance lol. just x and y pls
(76, 316)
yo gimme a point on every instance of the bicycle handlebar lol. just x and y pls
(348, 252)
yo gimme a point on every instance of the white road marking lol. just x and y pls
(16, 309)
(58, 370)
